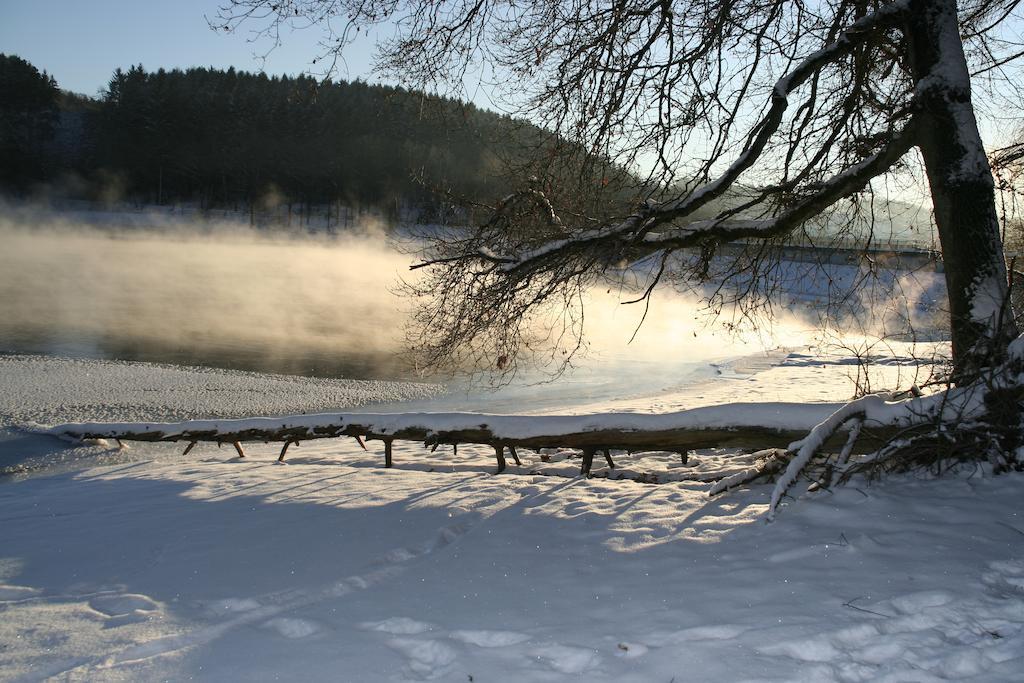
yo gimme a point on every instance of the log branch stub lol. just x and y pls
(387, 452)
(190, 446)
(499, 454)
(238, 447)
(361, 442)
(608, 458)
(284, 449)
(515, 456)
(588, 461)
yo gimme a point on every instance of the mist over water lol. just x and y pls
(238, 299)
(222, 295)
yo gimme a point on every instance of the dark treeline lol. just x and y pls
(29, 106)
(218, 137)
(231, 138)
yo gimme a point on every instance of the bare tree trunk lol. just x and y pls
(962, 189)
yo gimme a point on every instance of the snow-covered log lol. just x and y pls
(800, 432)
(752, 425)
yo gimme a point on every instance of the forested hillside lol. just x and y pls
(231, 138)
(227, 136)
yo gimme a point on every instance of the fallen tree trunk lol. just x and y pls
(976, 422)
(755, 426)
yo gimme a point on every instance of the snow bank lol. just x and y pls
(48, 389)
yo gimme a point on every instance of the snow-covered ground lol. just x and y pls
(149, 566)
(47, 389)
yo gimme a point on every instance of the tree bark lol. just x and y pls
(962, 189)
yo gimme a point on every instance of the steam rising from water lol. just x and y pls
(228, 296)
(240, 299)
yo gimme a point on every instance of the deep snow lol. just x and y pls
(153, 566)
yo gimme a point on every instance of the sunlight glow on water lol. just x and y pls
(308, 305)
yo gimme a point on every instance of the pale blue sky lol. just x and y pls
(81, 42)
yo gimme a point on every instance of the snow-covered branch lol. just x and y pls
(971, 410)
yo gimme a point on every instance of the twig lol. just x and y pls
(849, 603)
(1010, 527)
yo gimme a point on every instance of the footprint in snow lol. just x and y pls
(1006, 577)
(914, 603)
(489, 638)
(399, 555)
(292, 628)
(567, 659)
(926, 635)
(711, 632)
(807, 649)
(425, 658)
(398, 626)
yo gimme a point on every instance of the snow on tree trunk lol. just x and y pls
(962, 189)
